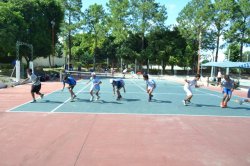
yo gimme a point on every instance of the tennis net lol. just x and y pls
(84, 75)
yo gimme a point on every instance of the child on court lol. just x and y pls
(241, 101)
(117, 85)
(188, 88)
(150, 86)
(36, 84)
(227, 90)
(95, 87)
(71, 84)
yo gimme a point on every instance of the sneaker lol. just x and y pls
(72, 100)
(42, 95)
(223, 105)
(74, 96)
(91, 98)
(149, 98)
(188, 102)
(119, 97)
(33, 101)
(241, 101)
(97, 98)
(184, 102)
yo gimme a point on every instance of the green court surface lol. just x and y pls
(167, 100)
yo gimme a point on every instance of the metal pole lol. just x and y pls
(148, 67)
(53, 41)
(161, 67)
(121, 65)
(199, 54)
(135, 65)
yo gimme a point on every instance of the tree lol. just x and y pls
(246, 56)
(10, 21)
(73, 15)
(233, 52)
(222, 10)
(118, 19)
(146, 15)
(194, 19)
(239, 30)
(32, 25)
(94, 23)
(166, 46)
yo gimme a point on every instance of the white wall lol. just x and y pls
(45, 61)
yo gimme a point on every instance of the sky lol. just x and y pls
(173, 7)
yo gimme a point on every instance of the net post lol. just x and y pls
(17, 70)
(31, 65)
(60, 75)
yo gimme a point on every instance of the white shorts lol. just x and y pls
(94, 88)
(188, 91)
(150, 88)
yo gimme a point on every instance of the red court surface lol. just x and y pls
(59, 139)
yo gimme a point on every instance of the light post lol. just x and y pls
(53, 41)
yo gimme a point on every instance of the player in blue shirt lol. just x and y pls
(227, 90)
(117, 85)
(71, 84)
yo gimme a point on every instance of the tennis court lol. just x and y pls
(167, 101)
(132, 131)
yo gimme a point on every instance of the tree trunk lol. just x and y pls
(217, 47)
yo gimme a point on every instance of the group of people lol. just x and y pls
(227, 87)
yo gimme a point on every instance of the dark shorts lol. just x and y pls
(71, 86)
(35, 88)
(248, 94)
(219, 79)
(120, 85)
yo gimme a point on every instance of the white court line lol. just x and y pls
(220, 96)
(30, 101)
(138, 86)
(68, 99)
(137, 114)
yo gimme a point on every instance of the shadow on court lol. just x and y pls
(240, 108)
(160, 101)
(47, 101)
(130, 100)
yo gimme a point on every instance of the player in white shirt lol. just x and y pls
(188, 88)
(150, 86)
(36, 84)
(95, 87)
(241, 101)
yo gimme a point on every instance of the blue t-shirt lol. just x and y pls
(118, 82)
(70, 81)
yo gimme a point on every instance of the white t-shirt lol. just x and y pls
(34, 79)
(95, 83)
(219, 74)
(150, 83)
(190, 84)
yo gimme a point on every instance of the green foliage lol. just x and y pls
(71, 24)
(239, 30)
(233, 52)
(29, 21)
